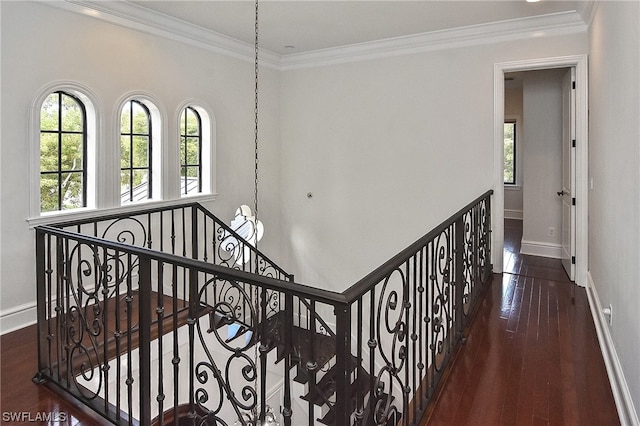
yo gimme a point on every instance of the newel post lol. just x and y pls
(194, 233)
(488, 270)
(458, 268)
(343, 354)
(194, 306)
(287, 411)
(144, 306)
(41, 302)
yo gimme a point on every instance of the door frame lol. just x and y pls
(579, 62)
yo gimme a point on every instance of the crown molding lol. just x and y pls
(589, 11)
(132, 16)
(562, 23)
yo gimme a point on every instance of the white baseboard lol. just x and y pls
(621, 394)
(18, 317)
(513, 214)
(539, 248)
(21, 316)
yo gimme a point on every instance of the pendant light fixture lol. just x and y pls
(269, 417)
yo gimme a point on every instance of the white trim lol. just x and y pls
(25, 315)
(138, 18)
(513, 214)
(542, 249)
(94, 126)
(129, 15)
(509, 187)
(555, 24)
(81, 214)
(589, 11)
(621, 393)
(209, 133)
(104, 199)
(582, 159)
(17, 317)
(160, 150)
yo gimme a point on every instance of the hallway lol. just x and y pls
(532, 355)
(531, 358)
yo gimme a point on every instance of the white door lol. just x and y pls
(567, 193)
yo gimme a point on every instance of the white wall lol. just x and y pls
(389, 148)
(43, 44)
(542, 162)
(614, 168)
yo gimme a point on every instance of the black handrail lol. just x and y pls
(324, 296)
(130, 213)
(231, 231)
(366, 283)
(406, 317)
(347, 296)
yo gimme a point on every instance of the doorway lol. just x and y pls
(538, 171)
(579, 190)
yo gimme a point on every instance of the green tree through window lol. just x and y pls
(135, 152)
(190, 151)
(63, 153)
(510, 152)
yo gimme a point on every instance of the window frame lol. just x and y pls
(103, 142)
(150, 154)
(60, 132)
(516, 180)
(92, 168)
(184, 166)
(207, 152)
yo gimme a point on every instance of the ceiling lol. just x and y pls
(287, 27)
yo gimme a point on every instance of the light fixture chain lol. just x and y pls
(257, 412)
(255, 194)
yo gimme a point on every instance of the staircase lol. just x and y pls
(211, 339)
(312, 355)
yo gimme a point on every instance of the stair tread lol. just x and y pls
(324, 345)
(326, 387)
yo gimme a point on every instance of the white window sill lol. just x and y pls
(513, 187)
(86, 213)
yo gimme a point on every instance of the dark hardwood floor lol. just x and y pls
(531, 356)
(21, 400)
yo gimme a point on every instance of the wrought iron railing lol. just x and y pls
(187, 230)
(149, 319)
(408, 316)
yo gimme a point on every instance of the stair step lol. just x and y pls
(274, 336)
(326, 388)
(302, 375)
(274, 330)
(329, 418)
(327, 385)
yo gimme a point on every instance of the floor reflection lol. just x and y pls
(521, 264)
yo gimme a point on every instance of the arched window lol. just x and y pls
(63, 152)
(135, 152)
(190, 152)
